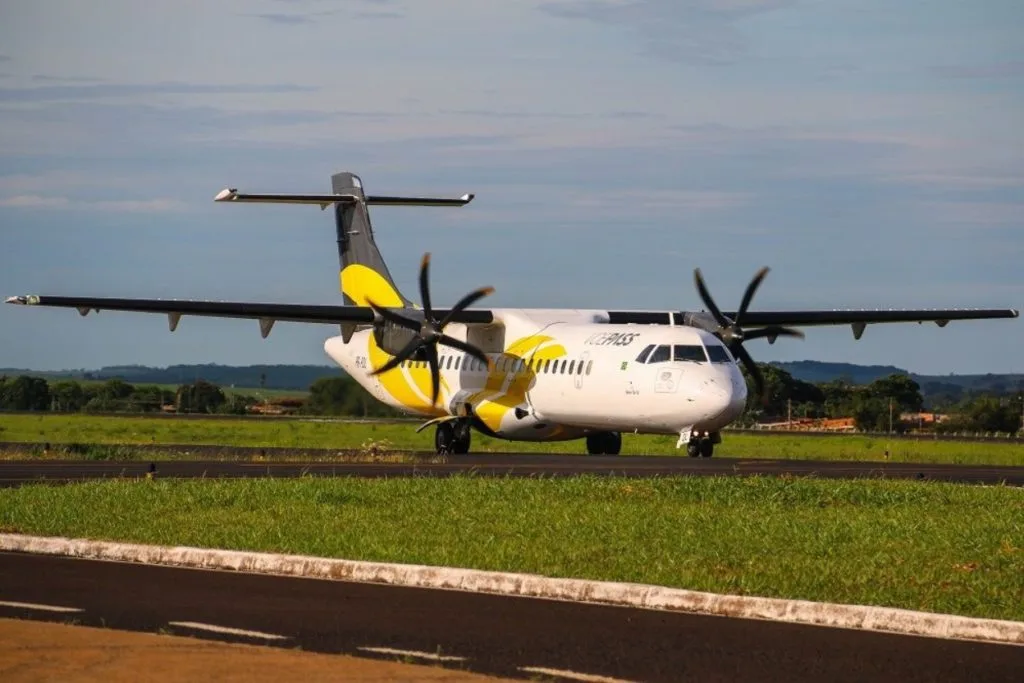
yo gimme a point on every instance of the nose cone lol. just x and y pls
(724, 396)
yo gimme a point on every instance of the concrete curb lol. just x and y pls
(860, 617)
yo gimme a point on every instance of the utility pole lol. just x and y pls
(789, 413)
(890, 415)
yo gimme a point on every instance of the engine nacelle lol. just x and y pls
(393, 338)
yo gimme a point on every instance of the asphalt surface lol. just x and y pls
(16, 472)
(512, 637)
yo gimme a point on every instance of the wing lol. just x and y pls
(266, 313)
(858, 319)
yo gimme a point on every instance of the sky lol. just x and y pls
(869, 152)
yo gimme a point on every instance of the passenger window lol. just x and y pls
(590, 364)
(579, 368)
(572, 363)
(457, 359)
(689, 353)
(642, 358)
(660, 355)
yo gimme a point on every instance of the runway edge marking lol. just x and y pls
(859, 617)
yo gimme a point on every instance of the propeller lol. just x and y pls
(730, 332)
(430, 331)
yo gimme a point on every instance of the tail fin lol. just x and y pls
(364, 275)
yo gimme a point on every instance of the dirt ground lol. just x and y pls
(41, 651)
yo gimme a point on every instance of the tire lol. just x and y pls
(707, 448)
(444, 438)
(604, 443)
(462, 436)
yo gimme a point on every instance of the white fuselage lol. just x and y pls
(563, 374)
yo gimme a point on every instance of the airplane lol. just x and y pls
(516, 373)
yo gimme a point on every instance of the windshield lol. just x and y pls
(718, 354)
(689, 352)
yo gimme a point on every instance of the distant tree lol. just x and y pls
(199, 397)
(986, 414)
(148, 399)
(25, 393)
(67, 396)
(781, 388)
(901, 389)
(238, 404)
(343, 396)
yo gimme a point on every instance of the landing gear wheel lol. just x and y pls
(444, 438)
(707, 448)
(693, 448)
(604, 443)
(462, 434)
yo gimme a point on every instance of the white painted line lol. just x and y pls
(635, 595)
(32, 605)
(575, 675)
(227, 629)
(413, 653)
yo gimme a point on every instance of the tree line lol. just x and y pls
(875, 406)
(871, 405)
(327, 396)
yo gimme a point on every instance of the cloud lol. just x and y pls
(689, 31)
(378, 15)
(976, 213)
(87, 92)
(1008, 69)
(33, 201)
(44, 78)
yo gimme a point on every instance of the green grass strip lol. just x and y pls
(936, 547)
(331, 434)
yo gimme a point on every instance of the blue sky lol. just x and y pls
(870, 152)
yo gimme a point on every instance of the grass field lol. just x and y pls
(64, 429)
(935, 547)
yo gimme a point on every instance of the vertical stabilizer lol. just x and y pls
(364, 275)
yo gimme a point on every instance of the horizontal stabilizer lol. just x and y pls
(324, 200)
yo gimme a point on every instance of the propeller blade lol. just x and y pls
(393, 317)
(435, 373)
(748, 295)
(466, 348)
(754, 371)
(773, 331)
(425, 286)
(402, 355)
(465, 302)
(708, 301)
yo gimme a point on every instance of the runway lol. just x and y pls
(512, 637)
(17, 472)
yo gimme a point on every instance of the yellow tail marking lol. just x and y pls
(362, 284)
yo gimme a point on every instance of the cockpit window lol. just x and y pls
(642, 358)
(718, 354)
(660, 354)
(689, 352)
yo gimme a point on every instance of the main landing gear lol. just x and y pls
(604, 443)
(452, 437)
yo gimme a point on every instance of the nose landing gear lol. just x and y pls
(699, 444)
